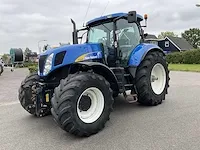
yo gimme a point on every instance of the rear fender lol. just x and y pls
(138, 54)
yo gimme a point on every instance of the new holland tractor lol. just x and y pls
(77, 83)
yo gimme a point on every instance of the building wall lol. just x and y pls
(168, 48)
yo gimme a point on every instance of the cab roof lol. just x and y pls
(110, 16)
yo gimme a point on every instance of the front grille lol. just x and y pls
(42, 62)
(59, 58)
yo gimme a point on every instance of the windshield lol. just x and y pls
(101, 34)
(127, 33)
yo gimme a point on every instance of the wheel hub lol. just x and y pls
(153, 78)
(158, 78)
(90, 105)
(85, 103)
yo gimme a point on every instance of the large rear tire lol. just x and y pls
(152, 79)
(82, 103)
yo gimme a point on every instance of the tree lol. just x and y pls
(192, 36)
(27, 52)
(162, 35)
(6, 58)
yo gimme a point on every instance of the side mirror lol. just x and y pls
(132, 16)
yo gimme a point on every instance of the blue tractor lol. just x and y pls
(77, 83)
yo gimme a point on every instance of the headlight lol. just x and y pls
(48, 64)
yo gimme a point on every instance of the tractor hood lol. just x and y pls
(68, 54)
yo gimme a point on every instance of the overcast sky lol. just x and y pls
(24, 22)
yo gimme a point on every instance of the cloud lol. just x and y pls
(24, 22)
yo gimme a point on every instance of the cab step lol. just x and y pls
(130, 97)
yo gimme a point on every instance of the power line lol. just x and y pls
(87, 11)
(105, 8)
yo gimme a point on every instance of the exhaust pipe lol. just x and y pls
(74, 33)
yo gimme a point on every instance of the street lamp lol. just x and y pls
(39, 45)
(198, 5)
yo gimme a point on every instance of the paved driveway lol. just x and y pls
(174, 125)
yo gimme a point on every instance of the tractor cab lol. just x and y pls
(118, 34)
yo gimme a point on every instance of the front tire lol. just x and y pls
(152, 79)
(27, 93)
(82, 103)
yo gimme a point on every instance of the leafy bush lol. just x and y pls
(175, 58)
(187, 57)
(33, 68)
(27, 64)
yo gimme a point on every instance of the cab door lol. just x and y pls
(128, 36)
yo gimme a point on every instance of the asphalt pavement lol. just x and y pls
(173, 125)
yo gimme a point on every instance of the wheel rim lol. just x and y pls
(158, 78)
(90, 114)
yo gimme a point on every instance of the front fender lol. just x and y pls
(102, 70)
(138, 54)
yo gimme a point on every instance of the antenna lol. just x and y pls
(87, 11)
(105, 8)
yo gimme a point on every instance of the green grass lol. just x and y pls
(185, 67)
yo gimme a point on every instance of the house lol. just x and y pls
(150, 38)
(169, 44)
(174, 44)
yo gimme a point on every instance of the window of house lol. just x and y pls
(166, 43)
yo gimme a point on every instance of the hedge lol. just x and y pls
(33, 67)
(27, 64)
(186, 57)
